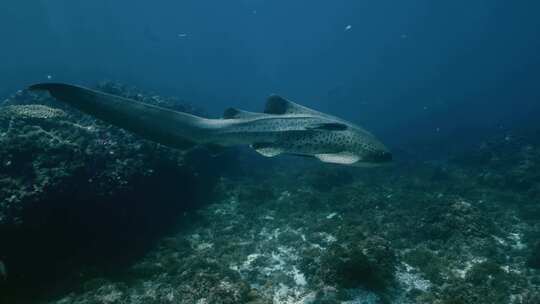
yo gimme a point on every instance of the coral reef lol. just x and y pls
(534, 258)
(81, 192)
(281, 231)
(370, 263)
(435, 233)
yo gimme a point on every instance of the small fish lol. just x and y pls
(285, 127)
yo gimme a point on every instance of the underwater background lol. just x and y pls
(90, 213)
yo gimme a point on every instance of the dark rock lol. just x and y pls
(428, 262)
(485, 283)
(448, 219)
(534, 257)
(370, 263)
(80, 197)
(510, 162)
(3, 272)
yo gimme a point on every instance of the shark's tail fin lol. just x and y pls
(168, 127)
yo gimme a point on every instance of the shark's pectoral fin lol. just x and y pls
(343, 158)
(267, 150)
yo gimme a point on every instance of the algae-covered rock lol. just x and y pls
(455, 219)
(3, 272)
(428, 262)
(30, 112)
(454, 232)
(48, 151)
(79, 196)
(485, 283)
(400, 236)
(369, 263)
(506, 162)
(534, 257)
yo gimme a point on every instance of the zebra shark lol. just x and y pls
(284, 127)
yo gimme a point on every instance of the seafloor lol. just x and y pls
(463, 230)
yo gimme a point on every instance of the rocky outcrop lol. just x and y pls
(75, 193)
(88, 198)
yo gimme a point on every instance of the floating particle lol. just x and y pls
(49, 77)
(182, 35)
(348, 27)
(254, 12)
(404, 36)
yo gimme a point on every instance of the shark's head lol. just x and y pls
(369, 150)
(356, 146)
(328, 138)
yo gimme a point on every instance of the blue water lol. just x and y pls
(412, 70)
(88, 211)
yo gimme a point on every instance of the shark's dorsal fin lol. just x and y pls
(278, 105)
(232, 113)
